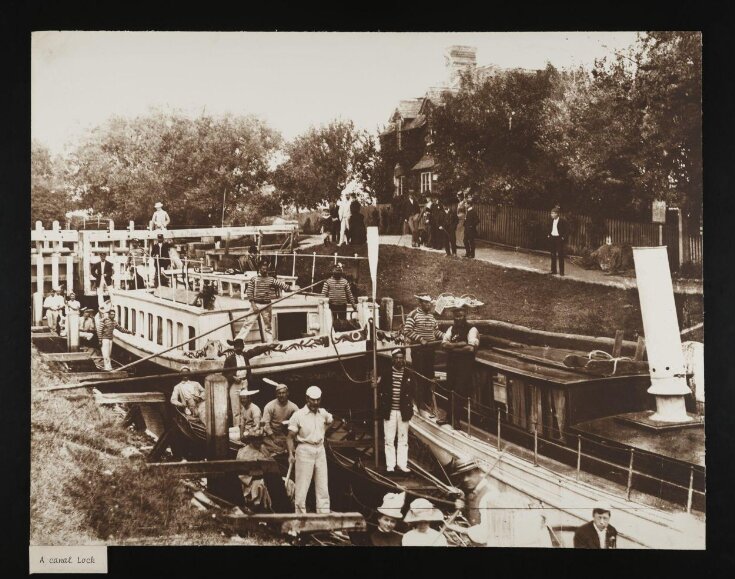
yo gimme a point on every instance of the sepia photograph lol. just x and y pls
(369, 289)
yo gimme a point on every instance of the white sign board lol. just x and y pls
(659, 212)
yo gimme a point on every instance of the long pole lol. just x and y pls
(224, 195)
(373, 247)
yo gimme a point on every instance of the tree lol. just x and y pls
(198, 168)
(488, 135)
(49, 201)
(323, 161)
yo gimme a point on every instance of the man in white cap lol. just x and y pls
(187, 394)
(598, 533)
(249, 412)
(54, 304)
(276, 415)
(308, 427)
(420, 328)
(397, 392)
(160, 219)
(389, 512)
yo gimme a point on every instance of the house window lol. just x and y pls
(426, 182)
(400, 185)
(396, 186)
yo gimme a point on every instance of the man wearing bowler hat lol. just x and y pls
(160, 219)
(306, 431)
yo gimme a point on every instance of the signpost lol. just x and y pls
(659, 216)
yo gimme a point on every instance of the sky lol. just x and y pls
(291, 80)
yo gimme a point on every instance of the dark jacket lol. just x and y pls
(408, 393)
(471, 222)
(562, 227)
(228, 370)
(161, 251)
(585, 537)
(449, 220)
(99, 269)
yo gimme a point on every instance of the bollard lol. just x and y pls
(72, 331)
(216, 395)
(386, 314)
(37, 308)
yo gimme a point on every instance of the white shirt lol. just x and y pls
(54, 302)
(601, 535)
(241, 362)
(473, 336)
(554, 230)
(160, 219)
(309, 426)
(431, 538)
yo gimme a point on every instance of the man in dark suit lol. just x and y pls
(102, 271)
(160, 254)
(470, 228)
(557, 234)
(598, 533)
(448, 229)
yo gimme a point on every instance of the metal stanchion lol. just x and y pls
(630, 475)
(498, 428)
(691, 489)
(579, 454)
(469, 417)
(535, 445)
(313, 266)
(451, 407)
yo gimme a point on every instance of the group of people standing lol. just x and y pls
(343, 222)
(440, 226)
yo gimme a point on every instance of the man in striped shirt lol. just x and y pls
(420, 328)
(396, 407)
(337, 289)
(261, 291)
(109, 325)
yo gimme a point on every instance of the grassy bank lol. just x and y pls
(89, 482)
(530, 299)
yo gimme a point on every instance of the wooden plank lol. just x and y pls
(66, 356)
(130, 398)
(294, 524)
(39, 335)
(209, 467)
(104, 375)
(160, 447)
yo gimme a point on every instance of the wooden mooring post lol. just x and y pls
(72, 331)
(217, 396)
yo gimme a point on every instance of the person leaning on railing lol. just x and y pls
(261, 291)
(337, 289)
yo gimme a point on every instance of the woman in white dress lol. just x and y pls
(422, 513)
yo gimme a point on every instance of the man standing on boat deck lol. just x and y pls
(397, 392)
(54, 304)
(308, 427)
(160, 252)
(238, 379)
(337, 289)
(187, 394)
(275, 414)
(460, 342)
(598, 533)
(160, 219)
(109, 325)
(102, 273)
(249, 413)
(261, 291)
(421, 327)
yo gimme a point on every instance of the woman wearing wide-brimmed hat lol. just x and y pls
(422, 513)
(389, 514)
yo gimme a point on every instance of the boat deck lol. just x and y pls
(687, 446)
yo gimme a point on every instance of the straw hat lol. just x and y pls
(281, 387)
(245, 392)
(602, 505)
(423, 297)
(392, 505)
(314, 392)
(254, 434)
(396, 351)
(423, 510)
(466, 465)
(158, 205)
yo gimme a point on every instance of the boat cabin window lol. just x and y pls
(141, 324)
(119, 314)
(133, 319)
(169, 333)
(291, 325)
(125, 318)
(192, 333)
(150, 327)
(159, 330)
(180, 334)
(500, 391)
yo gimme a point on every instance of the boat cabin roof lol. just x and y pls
(545, 364)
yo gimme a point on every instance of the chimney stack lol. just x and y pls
(457, 60)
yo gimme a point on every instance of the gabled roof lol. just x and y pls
(426, 162)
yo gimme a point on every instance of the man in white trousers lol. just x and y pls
(307, 427)
(397, 392)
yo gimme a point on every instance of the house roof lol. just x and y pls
(426, 162)
(408, 109)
